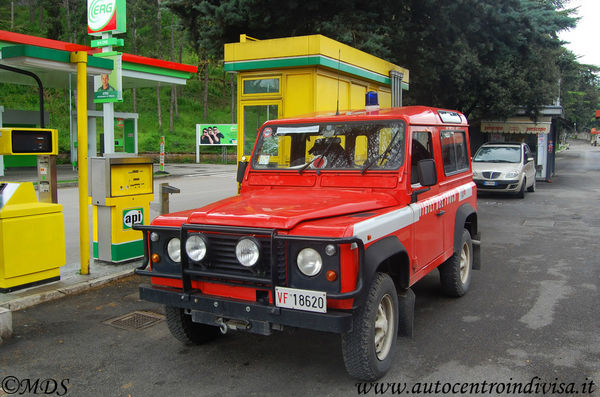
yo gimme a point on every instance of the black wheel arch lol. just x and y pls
(387, 255)
(466, 218)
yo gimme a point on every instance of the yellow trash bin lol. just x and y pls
(32, 238)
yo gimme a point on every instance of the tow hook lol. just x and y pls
(225, 325)
(222, 326)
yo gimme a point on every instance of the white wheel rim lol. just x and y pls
(384, 327)
(465, 261)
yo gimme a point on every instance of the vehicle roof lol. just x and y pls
(415, 115)
(503, 144)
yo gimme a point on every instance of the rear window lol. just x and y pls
(454, 152)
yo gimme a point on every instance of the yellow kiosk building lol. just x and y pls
(302, 75)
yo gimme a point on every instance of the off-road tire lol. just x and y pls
(532, 187)
(185, 330)
(521, 193)
(455, 272)
(361, 358)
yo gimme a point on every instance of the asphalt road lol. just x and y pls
(530, 317)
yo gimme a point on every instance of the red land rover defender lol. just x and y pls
(337, 217)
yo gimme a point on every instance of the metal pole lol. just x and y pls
(80, 58)
(164, 191)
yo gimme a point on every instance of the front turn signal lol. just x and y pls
(331, 276)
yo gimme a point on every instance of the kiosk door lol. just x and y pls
(253, 116)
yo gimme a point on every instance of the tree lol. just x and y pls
(482, 57)
(53, 22)
(580, 91)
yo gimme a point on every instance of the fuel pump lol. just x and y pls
(32, 231)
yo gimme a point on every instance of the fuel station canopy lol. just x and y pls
(49, 59)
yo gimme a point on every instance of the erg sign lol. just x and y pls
(106, 16)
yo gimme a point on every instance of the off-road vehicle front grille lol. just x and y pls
(221, 260)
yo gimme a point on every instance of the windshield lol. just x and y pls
(356, 145)
(498, 154)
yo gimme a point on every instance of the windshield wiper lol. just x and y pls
(381, 157)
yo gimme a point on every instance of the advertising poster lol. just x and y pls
(216, 134)
(108, 86)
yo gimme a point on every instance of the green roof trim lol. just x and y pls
(310, 60)
(155, 70)
(48, 54)
(35, 52)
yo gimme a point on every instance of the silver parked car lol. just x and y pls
(504, 167)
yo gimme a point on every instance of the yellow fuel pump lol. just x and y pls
(32, 232)
(122, 189)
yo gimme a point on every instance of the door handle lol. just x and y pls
(442, 212)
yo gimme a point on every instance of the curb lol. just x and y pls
(6, 328)
(29, 301)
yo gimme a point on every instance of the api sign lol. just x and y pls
(106, 16)
(132, 216)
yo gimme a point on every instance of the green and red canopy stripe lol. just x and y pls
(18, 38)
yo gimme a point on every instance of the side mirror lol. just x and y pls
(241, 171)
(427, 172)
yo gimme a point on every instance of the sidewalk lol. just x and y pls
(67, 176)
(72, 282)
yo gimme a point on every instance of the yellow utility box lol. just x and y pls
(302, 75)
(122, 189)
(32, 238)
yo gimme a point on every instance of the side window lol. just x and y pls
(454, 152)
(422, 148)
(528, 154)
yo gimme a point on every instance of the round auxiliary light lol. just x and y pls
(154, 237)
(309, 262)
(196, 247)
(247, 251)
(330, 250)
(174, 249)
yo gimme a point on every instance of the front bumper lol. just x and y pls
(254, 317)
(500, 185)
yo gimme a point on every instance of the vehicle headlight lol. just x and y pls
(476, 174)
(247, 251)
(196, 247)
(512, 174)
(309, 262)
(174, 249)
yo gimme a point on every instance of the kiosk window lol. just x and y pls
(261, 86)
(454, 152)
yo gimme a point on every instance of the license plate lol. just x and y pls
(488, 183)
(301, 299)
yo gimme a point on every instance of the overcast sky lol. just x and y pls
(584, 40)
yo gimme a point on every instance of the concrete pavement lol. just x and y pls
(67, 176)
